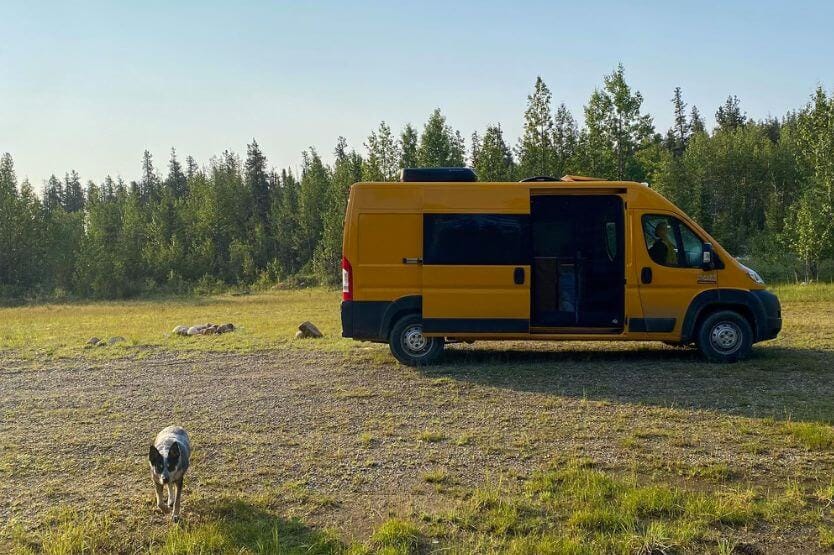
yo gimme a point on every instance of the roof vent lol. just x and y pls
(538, 178)
(438, 174)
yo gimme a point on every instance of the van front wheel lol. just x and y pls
(410, 346)
(725, 336)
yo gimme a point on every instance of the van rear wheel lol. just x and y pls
(410, 346)
(725, 336)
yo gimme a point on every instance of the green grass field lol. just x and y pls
(321, 446)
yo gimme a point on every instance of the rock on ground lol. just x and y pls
(308, 329)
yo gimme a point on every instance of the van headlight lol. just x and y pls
(752, 274)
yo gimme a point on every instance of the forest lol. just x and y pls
(763, 188)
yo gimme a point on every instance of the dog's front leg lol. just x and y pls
(159, 501)
(177, 497)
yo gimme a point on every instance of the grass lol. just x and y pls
(329, 446)
(264, 321)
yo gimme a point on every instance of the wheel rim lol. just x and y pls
(414, 342)
(725, 337)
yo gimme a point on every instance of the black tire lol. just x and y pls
(410, 347)
(725, 336)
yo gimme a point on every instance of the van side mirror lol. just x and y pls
(707, 258)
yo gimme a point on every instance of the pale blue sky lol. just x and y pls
(90, 85)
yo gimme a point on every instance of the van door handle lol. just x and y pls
(412, 260)
(646, 275)
(518, 276)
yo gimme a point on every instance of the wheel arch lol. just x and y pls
(411, 304)
(709, 302)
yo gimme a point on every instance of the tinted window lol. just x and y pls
(671, 242)
(476, 239)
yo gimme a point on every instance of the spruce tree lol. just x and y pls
(53, 195)
(148, 186)
(257, 183)
(696, 122)
(535, 148)
(176, 181)
(678, 135)
(73, 199)
(729, 116)
(440, 146)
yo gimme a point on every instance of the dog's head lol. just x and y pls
(164, 466)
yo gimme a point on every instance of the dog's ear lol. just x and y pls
(173, 455)
(154, 456)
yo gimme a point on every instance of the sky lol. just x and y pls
(90, 85)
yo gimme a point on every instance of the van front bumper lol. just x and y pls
(771, 324)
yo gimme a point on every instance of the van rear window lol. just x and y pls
(476, 239)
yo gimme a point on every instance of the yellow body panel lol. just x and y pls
(474, 292)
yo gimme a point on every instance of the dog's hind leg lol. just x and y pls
(177, 497)
(159, 501)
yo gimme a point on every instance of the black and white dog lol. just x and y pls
(169, 457)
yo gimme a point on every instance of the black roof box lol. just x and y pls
(438, 174)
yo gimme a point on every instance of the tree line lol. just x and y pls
(764, 189)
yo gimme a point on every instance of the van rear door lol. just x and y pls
(476, 273)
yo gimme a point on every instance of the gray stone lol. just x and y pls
(194, 330)
(180, 330)
(115, 339)
(93, 341)
(225, 328)
(310, 330)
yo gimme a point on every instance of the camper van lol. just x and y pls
(440, 257)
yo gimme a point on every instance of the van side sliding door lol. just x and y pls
(476, 274)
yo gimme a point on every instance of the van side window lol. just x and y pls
(671, 243)
(476, 239)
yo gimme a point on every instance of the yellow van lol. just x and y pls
(442, 257)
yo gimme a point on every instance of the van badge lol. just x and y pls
(707, 278)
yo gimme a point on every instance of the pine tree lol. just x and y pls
(408, 147)
(148, 186)
(440, 146)
(678, 135)
(535, 148)
(73, 200)
(191, 168)
(257, 183)
(495, 160)
(729, 116)
(176, 181)
(696, 123)
(53, 195)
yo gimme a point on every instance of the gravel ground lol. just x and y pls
(349, 438)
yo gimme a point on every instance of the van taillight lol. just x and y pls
(347, 280)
